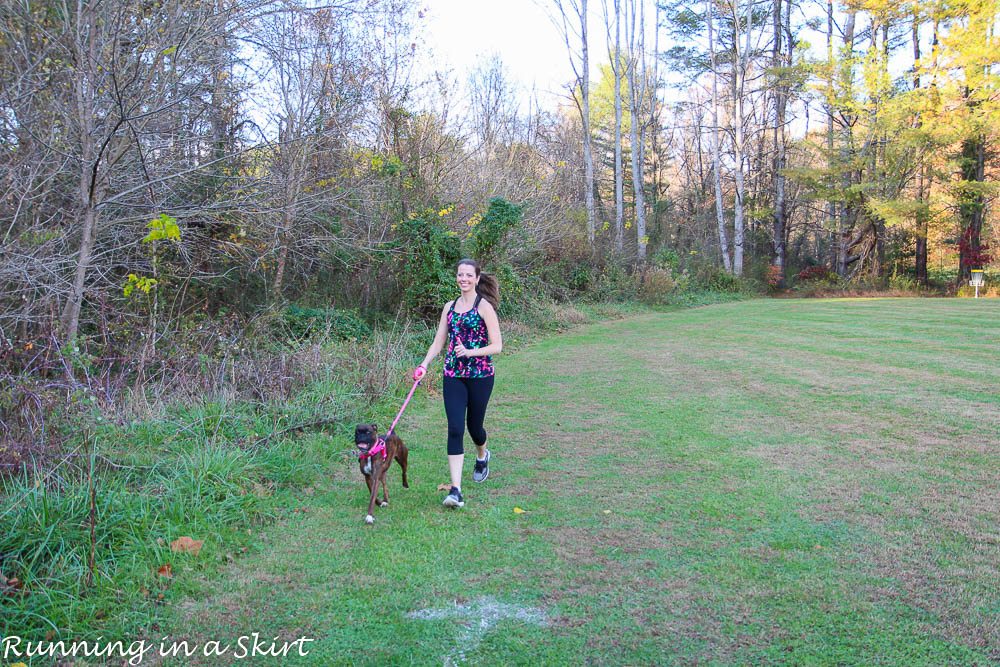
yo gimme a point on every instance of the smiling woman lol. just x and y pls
(471, 328)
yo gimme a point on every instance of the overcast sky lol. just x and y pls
(461, 33)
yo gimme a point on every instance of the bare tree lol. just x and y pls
(781, 62)
(572, 23)
(636, 39)
(295, 46)
(97, 97)
(742, 29)
(617, 65)
(727, 261)
(492, 105)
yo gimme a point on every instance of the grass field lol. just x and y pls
(781, 482)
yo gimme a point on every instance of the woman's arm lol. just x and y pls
(439, 337)
(489, 315)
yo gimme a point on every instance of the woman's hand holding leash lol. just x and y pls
(419, 372)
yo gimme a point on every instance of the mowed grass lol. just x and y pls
(780, 482)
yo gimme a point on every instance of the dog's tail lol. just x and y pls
(401, 457)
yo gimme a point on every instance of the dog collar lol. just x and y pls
(379, 446)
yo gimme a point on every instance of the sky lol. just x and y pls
(459, 34)
(462, 33)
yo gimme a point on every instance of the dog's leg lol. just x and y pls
(373, 485)
(401, 457)
(385, 489)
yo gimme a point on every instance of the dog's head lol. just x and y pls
(365, 436)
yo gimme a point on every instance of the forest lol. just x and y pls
(227, 228)
(181, 176)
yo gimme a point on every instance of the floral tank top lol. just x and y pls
(470, 328)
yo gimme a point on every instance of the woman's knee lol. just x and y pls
(478, 435)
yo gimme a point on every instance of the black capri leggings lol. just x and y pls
(463, 395)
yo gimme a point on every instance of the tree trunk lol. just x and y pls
(654, 124)
(84, 93)
(588, 158)
(716, 159)
(923, 174)
(879, 169)
(831, 204)
(284, 235)
(780, 103)
(637, 88)
(848, 210)
(739, 148)
(70, 319)
(619, 168)
(972, 207)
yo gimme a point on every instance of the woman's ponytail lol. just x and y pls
(489, 289)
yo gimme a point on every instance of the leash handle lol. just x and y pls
(405, 403)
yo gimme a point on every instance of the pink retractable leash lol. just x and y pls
(379, 446)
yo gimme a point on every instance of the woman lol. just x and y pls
(472, 330)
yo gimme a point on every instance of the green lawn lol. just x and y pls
(781, 482)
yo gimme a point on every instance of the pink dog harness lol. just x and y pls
(379, 446)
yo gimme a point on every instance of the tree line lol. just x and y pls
(166, 159)
(898, 161)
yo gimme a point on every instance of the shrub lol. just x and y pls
(512, 289)
(775, 277)
(667, 258)
(565, 272)
(486, 242)
(720, 281)
(616, 282)
(302, 322)
(904, 282)
(655, 285)
(818, 272)
(427, 268)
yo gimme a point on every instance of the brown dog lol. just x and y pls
(375, 455)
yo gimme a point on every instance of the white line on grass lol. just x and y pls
(478, 617)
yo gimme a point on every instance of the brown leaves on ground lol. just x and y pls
(265, 490)
(165, 571)
(186, 545)
(9, 586)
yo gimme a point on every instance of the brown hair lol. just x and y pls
(488, 287)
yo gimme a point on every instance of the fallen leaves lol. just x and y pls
(9, 586)
(186, 545)
(182, 545)
(518, 510)
(444, 487)
(263, 490)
